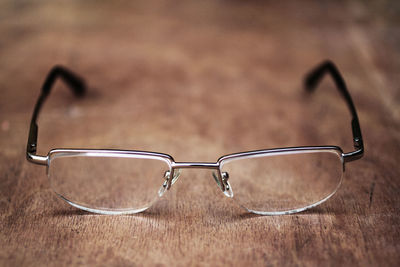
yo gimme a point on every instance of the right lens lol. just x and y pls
(107, 183)
(284, 182)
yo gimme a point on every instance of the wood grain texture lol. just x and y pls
(199, 79)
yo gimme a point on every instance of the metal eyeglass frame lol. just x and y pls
(78, 86)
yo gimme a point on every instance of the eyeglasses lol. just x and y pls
(266, 182)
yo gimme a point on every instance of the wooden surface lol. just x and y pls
(199, 79)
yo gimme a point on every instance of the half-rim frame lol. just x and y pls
(173, 166)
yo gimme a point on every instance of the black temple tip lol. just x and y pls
(76, 83)
(312, 79)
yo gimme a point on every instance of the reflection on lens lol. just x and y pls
(285, 182)
(107, 184)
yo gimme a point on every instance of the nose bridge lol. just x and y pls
(195, 165)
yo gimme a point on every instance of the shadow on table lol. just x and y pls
(163, 212)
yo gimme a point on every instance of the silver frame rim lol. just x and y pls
(173, 165)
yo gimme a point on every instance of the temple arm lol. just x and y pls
(311, 82)
(75, 83)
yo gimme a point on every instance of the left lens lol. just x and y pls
(107, 183)
(284, 182)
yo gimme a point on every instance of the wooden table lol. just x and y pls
(197, 80)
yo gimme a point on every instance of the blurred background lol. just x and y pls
(196, 80)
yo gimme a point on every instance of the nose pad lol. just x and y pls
(222, 181)
(164, 186)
